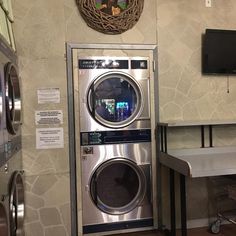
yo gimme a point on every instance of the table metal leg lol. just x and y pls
(172, 203)
(183, 205)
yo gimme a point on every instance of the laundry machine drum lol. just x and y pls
(118, 186)
(3, 221)
(13, 98)
(115, 99)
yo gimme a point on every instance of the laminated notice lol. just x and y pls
(49, 138)
(49, 117)
(48, 95)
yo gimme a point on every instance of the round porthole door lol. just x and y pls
(17, 204)
(12, 98)
(117, 186)
(115, 99)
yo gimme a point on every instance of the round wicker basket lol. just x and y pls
(110, 24)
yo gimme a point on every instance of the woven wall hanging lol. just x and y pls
(110, 16)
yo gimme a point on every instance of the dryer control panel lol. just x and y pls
(112, 64)
(115, 137)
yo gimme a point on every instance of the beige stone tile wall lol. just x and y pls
(40, 37)
(186, 94)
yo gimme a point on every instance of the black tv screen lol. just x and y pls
(219, 52)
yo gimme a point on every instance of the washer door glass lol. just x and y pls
(13, 98)
(118, 186)
(114, 99)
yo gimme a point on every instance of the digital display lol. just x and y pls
(103, 64)
(115, 137)
(122, 105)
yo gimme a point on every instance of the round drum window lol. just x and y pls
(114, 100)
(13, 98)
(117, 186)
(17, 204)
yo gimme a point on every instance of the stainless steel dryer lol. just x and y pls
(116, 180)
(114, 93)
(12, 198)
(10, 101)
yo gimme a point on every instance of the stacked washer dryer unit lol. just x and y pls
(115, 143)
(11, 181)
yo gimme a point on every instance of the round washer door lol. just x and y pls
(17, 204)
(3, 221)
(12, 98)
(117, 186)
(115, 99)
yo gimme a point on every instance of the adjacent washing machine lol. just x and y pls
(12, 198)
(11, 180)
(116, 180)
(114, 93)
(3, 60)
(10, 102)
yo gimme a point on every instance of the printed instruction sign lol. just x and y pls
(48, 95)
(49, 138)
(49, 117)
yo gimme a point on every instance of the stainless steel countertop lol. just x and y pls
(201, 162)
(197, 123)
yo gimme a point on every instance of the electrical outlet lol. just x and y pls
(208, 3)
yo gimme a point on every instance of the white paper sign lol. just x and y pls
(49, 138)
(50, 117)
(48, 95)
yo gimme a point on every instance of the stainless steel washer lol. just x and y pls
(114, 93)
(4, 201)
(12, 198)
(11, 181)
(116, 180)
(10, 102)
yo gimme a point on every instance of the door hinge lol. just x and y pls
(153, 65)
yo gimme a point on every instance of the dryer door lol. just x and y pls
(13, 98)
(17, 204)
(115, 99)
(118, 186)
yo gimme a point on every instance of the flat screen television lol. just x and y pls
(219, 52)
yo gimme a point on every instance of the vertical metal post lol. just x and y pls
(72, 145)
(172, 203)
(165, 138)
(183, 205)
(162, 138)
(202, 136)
(210, 136)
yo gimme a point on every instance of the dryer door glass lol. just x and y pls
(115, 100)
(13, 98)
(118, 186)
